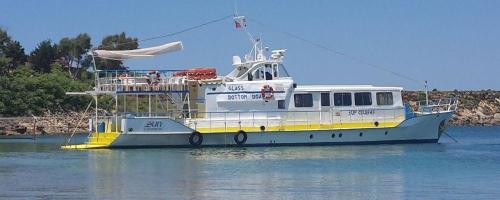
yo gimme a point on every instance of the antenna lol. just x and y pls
(257, 52)
(235, 8)
(426, 94)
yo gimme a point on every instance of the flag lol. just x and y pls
(240, 21)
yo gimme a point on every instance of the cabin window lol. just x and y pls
(342, 99)
(384, 99)
(258, 74)
(268, 72)
(281, 104)
(325, 99)
(303, 100)
(363, 98)
(275, 70)
(282, 71)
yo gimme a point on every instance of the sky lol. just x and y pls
(453, 44)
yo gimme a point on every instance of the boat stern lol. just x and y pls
(95, 141)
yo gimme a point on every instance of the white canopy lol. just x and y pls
(138, 53)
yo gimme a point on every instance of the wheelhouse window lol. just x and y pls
(363, 98)
(384, 99)
(258, 74)
(282, 71)
(268, 72)
(281, 104)
(342, 99)
(303, 100)
(325, 99)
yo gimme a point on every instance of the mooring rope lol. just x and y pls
(456, 141)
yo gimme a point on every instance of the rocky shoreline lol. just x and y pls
(477, 108)
(49, 124)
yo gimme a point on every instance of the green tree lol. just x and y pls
(73, 52)
(26, 92)
(115, 42)
(13, 51)
(43, 56)
(4, 65)
(4, 39)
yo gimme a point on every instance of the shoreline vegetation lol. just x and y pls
(33, 87)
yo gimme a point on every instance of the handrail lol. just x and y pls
(232, 121)
(140, 80)
(295, 120)
(140, 70)
(437, 105)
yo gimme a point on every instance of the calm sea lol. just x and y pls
(467, 169)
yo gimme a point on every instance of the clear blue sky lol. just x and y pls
(453, 44)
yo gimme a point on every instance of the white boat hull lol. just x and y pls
(421, 129)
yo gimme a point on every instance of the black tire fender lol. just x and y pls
(195, 139)
(237, 138)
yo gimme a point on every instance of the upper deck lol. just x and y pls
(149, 81)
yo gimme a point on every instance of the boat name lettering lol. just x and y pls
(362, 112)
(240, 97)
(153, 125)
(235, 88)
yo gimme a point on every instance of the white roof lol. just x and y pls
(138, 53)
(320, 88)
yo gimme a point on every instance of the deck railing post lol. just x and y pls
(331, 119)
(394, 115)
(307, 120)
(267, 119)
(253, 118)
(239, 119)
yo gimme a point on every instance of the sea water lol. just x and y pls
(467, 169)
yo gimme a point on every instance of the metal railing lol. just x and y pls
(437, 105)
(294, 120)
(272, 120)
(140, 80)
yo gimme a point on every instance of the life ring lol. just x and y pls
(267, 92)
(153, 77)
(195, 139)
(238, 141)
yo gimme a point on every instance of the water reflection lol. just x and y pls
(282, 173)
(266, 153)
(467, 170)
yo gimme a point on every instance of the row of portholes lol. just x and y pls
(340, 135)
(333, 135)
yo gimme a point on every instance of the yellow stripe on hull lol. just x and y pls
(95, 141)
(300, 127)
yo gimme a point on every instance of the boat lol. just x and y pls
(257, 104)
